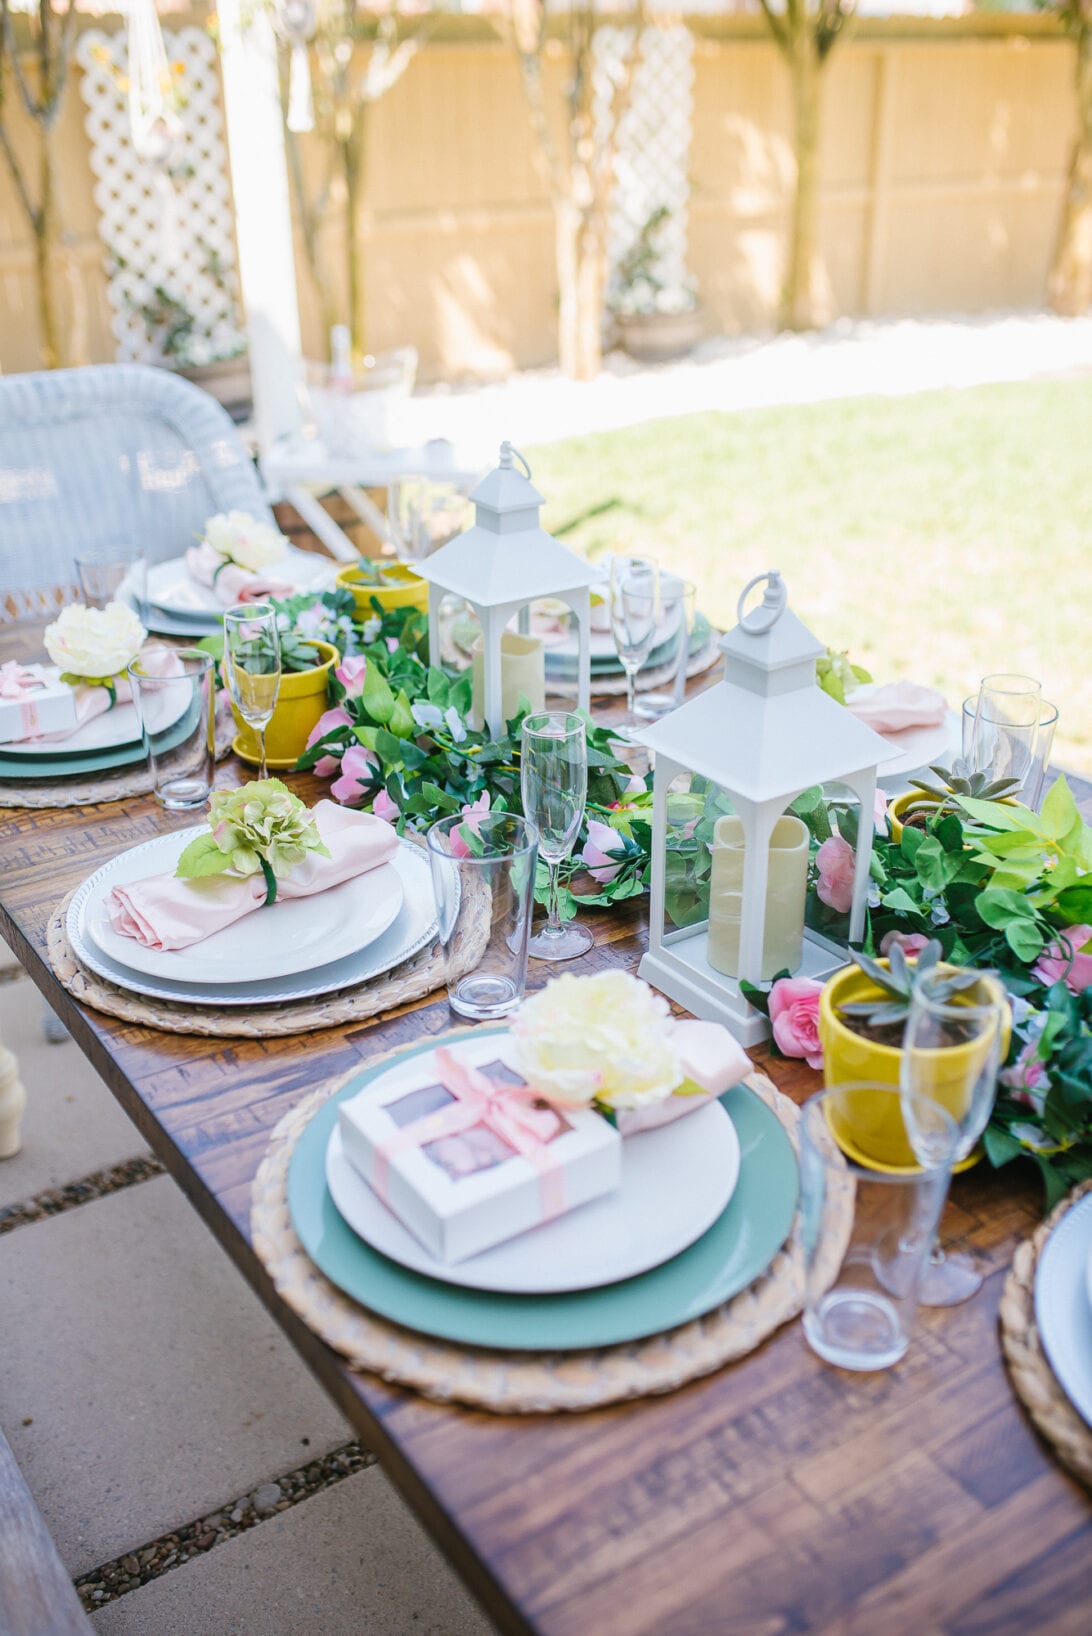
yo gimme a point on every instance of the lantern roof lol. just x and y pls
(507, 557)
(766, 731)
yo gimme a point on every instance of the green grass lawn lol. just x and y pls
(939, 537)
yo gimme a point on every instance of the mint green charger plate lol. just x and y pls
(728, 1257)
(74, 763)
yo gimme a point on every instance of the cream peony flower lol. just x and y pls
(242, 539)
(604, 1039)
(96, 643)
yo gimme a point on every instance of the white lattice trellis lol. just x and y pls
(652, 159)
(178, 235)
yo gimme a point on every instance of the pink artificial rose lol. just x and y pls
(350, 673)
(835, 862)
(794, 1018)
(911, 943)
(472, 818)
(1065, 960)
(360, 771)
(327, 766)
(600, 855)
(1027, 1081)
(385, 808)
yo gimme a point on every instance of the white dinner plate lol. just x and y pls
(171, 589)
(916, 749)
(293, 936)
(113, 729)
(412, 929)
(676, 1182)
(1063, 1311)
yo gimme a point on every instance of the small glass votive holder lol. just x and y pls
(1032, 789)
(175, 697)
(867, 1232)
(483, 878)
(112, 571)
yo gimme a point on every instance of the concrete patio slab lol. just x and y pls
(72, 1124)
(347, 1561)
(143, 1382)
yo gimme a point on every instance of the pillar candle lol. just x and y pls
(783, 936)
(523, 670)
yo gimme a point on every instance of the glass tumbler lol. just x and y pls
(1032, 789)
(112, 571)
(677, 601)
(866, 1233)
(176, 703)
(483, 878)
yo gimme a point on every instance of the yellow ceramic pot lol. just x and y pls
(874, 1133)
(300, 703)
(400, 588)
(907, 802)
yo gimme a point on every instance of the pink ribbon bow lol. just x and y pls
(507, 1110)
(16, 680)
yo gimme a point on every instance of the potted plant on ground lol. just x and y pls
(656, 318)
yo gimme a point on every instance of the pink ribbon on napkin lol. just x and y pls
(896, 706)
(17, 682)
(507, 1110)
(228, 582)
(710, 1057)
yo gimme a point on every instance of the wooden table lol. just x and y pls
(780, 1495)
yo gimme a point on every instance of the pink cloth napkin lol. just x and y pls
(232, 584)
(709, 1056)
(166, 913)
(158, 660)
(897, 706)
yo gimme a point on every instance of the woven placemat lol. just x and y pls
(412, 980)
(520, 1382)
(89, 792)
(1033, 1380)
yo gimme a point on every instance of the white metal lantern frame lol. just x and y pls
(763, 734)
(502, 564)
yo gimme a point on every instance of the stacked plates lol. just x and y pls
(178, 606)
(111, 740)
(310, 946)
(704, 1206)
(1063, 1304)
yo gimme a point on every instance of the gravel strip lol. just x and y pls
(159, 1556)
(55, 1200)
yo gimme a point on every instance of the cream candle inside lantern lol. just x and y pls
(523, 670)
(787, 884)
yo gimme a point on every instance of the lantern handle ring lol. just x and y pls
(507, 450)
(773, 604)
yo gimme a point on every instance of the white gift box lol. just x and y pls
(455, 1211)
(49, 706)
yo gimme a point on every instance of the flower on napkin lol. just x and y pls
(244, 540)
(262, 826)
(94, 644)
(603, 1039)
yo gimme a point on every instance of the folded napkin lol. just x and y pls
(158, 660)
(710, 1057)
(231, 584)
(166, 913)
(897, 706)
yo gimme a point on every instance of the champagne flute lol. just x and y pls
(554, 785)
(252, 664)
(951, 1054)
(634, 613)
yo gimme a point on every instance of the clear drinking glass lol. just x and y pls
(1006, 726)
(951, 1054)
(634, 614)
(252, 666)
(677, 602)
(866, 1233)
(1032, 789)
(177, 711)
(483, 877)
(554, 785)
(109, 569)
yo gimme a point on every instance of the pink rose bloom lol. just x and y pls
(359, 772)
(600, 856)
(385, 808)
(472, 818)
(634, 785)
(327, 766)
(835, 862)
(911, 943)
(392, 644)
(1064, 960)
(1027, 1081)
(794, 1018)
(350, 673)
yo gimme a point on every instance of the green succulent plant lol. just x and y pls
(958, 780)
(896, 985)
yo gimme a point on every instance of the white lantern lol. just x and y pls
(763, 735)
(500, 566)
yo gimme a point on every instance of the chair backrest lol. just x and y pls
(113, 452)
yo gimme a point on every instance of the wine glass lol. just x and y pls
(252, 665)
(554, 785)
(634, 613)
(951, 1053)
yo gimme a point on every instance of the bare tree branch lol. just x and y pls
(18, 178)
(33, 108)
